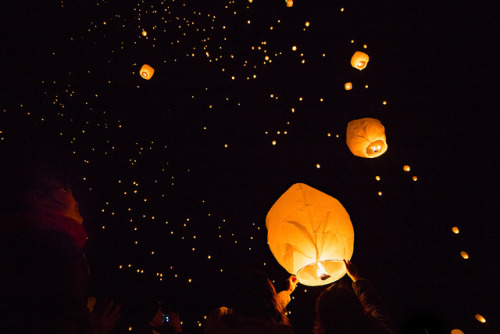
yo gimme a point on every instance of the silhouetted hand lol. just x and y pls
(175, 322)
(104, 318)
(291, 283)
(352, 271)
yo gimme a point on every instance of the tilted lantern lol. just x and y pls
(147, 71)
(365, 138)
(359, 60)
(309, 234)
(289, 3)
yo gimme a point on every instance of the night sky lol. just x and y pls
(175, 175)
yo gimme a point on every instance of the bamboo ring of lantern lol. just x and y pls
(365, 138)
(359, 60)
(146, 71)
(309, 234)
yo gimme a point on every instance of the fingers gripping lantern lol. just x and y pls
(309, 234)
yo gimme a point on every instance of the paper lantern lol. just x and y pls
(464, 254)
(147, 71)
(348, 86)
(365, 138)
(406, 168)
(455, 230)
(289, 3)
(456, 331)
(144, 33)
(309, 234)
(480, 318)
(359, 60)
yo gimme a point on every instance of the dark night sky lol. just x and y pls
(71, 94)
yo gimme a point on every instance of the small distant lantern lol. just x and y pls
(309, 234)
(359, 60)
(414, 178)
(464, 254)
(456, 331)
(289, 3)
(147, 71)
(406, 168)
(455, 230)
(144, 33)
(348, 86)
(480, 318)
(365, 138)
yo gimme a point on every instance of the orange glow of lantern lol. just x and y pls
(289, 3)
(406, 168)
(359, 60)
(464, 254)
(309, 234)
(365, 138)
(455, 230)
(144, 33)
(456, 331)
(348, 86)
(147, 71)
(414, 178)
(480, 318)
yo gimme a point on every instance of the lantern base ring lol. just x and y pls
(313, 275)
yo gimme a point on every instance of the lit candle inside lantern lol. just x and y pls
(322, 274)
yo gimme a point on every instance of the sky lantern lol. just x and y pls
(309, 234)
(365, 138)
(144, 33)
(289, 3)
(147, 71)
(455, 230)
(464, 254)
(359, 60)
(406, 168)
(480, 318)
(348, 86)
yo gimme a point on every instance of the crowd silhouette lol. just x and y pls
(45, 278)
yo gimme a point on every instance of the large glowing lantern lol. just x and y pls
(147, 71)
(309, 234)
(359, 60)
(365, 138)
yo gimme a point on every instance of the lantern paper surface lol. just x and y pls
(147, 71)
(289, 3)
(309, 234)
(365, 138)
(359, 60)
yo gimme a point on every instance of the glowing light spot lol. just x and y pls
(464, 254)
(348, 85)
(480, 318)
(414, 178)
(377, 178)
(406, 168)
(455, 230)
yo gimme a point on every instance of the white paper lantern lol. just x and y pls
(309, 234)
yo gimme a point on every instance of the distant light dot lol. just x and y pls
(464, 255)
(455, 230)
(348, 85)
(225, 145)
(384, 103)
(294, 48)
(366, 86)
(307, 24)
(377, 178)
(406, 168)
(144, 33)
(274, 142)
(318, 166)
(352, 41)
(365, 46)
(480, 318)
(414, 178)
(380, 193)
